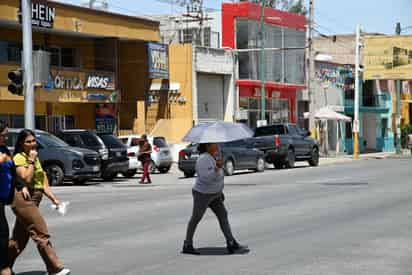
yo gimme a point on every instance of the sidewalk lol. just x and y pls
(367, 156)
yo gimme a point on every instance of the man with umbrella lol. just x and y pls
(208, 188)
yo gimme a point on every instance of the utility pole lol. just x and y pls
(29, 121)
(310, 68)
(357, 91)
(398, 31)
(262, 61)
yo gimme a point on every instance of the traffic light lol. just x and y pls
(16, 82)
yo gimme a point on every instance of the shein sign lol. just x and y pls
(41, 15)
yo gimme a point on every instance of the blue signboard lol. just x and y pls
(158, 55)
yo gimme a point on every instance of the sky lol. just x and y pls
(331, 16)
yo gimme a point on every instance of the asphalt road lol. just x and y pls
(352, 218)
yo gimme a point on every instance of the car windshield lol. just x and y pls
(48, 140)
(270, 130)
(160, 142)
(90, 140)
(111, 141)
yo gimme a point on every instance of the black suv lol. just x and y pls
(112, 152)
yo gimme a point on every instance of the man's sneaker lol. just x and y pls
(234, 246)
(189, 249)
(64, 271)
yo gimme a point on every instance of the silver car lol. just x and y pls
(161, 156)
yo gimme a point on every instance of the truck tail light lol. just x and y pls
(277, 141)
(131, 154)
(157, 149)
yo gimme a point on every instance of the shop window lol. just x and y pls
(54, 56)
(63, 57)
(244, 102)
(40, 122)
(5, 118)
(254, 103)
(68, 57)
(16, 121)
(384, 133)
(14, 52)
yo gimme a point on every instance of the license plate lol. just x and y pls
(118, 154)
(95, 168)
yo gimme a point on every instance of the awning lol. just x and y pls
(327, 114)
(173, 87)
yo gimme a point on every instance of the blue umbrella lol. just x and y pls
(218, 132)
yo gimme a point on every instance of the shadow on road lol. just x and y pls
(344, 183)
(219, 251)
(32, 273)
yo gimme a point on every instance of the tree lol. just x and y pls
(298, 7)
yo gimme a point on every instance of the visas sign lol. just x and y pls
(158, 55)
(41, 15)
(101, 82)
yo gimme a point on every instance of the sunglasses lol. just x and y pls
(30, 141)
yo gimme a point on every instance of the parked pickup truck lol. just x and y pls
(283, 144)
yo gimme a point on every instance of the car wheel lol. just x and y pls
(260, 165)
(189, 174)
(278, 165)
(229, 167)
(314, 161)
(290, 161)
(130, 173)
(164, 170)
(55, 174)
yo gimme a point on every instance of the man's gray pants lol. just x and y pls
(201, 202)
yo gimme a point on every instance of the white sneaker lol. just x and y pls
(64, 271)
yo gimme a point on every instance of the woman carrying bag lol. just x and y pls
(29, 221)
(145, 150)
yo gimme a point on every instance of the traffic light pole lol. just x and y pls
(29, 121)
(357, 94)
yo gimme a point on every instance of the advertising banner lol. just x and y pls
(105, 118)
(387, 57)
(158, 55)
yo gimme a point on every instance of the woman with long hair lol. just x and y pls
(208, 192)
(145, 149)
(29, 221)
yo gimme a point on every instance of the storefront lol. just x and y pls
(284, 70)
(99, 72)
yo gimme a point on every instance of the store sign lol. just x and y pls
(387, 57)
(100, 82)
(41, 15)
(158, 60)
(68, 83)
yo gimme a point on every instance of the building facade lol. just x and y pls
(334, 87)
(284, 69)
(99, 74)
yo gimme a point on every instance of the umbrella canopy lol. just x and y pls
(328, 114)
(218, 132)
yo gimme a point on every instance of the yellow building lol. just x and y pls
(100, 71)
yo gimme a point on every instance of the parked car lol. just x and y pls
(61, 161)
(283, 144)
(161, 156)
(238, 155)
(112, 152)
